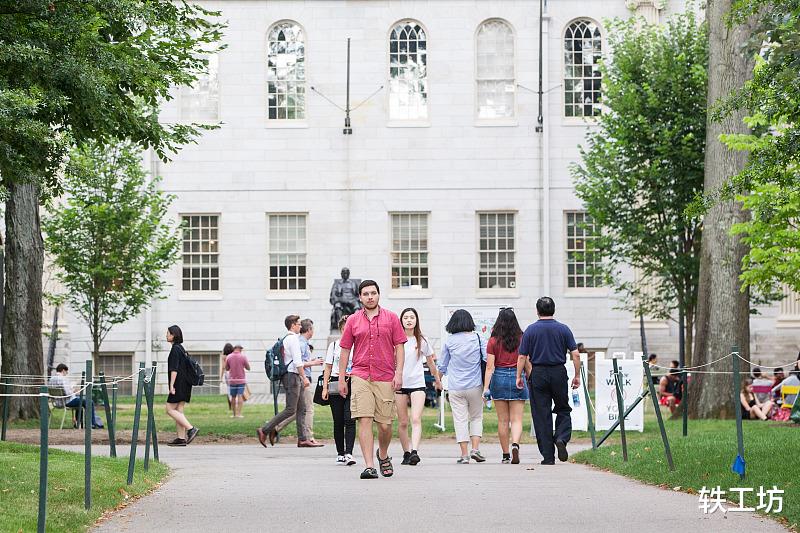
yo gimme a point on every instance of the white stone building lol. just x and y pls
(445, 192)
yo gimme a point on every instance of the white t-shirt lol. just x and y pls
(413, 371)
(333, 357)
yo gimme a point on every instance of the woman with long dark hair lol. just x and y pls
(462, 353)
(417, 350)
(502, 353)
(180, 390)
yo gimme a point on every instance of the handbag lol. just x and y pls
(318, 393)
(247, 393)
(483, 361)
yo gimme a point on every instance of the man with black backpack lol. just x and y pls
(289, 368)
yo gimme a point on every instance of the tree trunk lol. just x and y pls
(22, 319)
(723, 310)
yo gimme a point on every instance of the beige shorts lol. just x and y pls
(372, 399)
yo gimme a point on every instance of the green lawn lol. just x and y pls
(19, 487)
(211, 415)
(704, 458)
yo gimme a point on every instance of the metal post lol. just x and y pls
(151, 408)
(88, 421)
(737, 384)
(136, 414)
(149, 400)
(620, 411)
(5, 411)
(81, 396)
(44, 425)
(112, 441)
(588, 406)
(114, 388)
(682, 363)
(660, 420)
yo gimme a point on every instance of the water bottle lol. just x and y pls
(576, 399)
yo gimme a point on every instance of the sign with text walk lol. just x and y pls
(606, 393)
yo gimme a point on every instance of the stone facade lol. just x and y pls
(451, 166)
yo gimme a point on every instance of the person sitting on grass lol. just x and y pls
(792, 380)
(669, 389)
(752, 408)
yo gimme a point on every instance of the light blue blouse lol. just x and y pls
(461, 360)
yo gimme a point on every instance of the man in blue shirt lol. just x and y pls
(546, 343)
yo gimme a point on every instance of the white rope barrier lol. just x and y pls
(795, 362)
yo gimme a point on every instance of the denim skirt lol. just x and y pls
(504, 385)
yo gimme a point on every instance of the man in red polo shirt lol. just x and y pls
(377, 372)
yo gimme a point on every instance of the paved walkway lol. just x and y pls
(243, 488)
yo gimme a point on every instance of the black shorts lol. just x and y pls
(409, 391)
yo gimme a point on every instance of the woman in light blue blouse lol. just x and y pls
(462, 354)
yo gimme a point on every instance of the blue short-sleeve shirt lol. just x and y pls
(546, 342)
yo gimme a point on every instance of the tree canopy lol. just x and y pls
(110, 239)
(644, 162)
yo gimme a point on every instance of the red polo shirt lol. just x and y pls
(374, 340)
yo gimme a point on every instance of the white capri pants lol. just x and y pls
(467, 406)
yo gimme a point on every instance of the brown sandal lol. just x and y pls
(386, 464)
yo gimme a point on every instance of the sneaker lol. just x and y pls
(340, 460)
(191, 434)
(463, 460)
(348, 458)
(477, 456)
(515, 454)
(506, 459)
(548, 462)
(177, 442)
(414, 459)
(406, 457)
(561, 446)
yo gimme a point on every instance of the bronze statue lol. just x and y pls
(344, 297)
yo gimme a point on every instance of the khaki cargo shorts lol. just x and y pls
(372, 399)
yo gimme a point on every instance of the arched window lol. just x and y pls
(583, 46)
(496, 84)
(408, 72)
(286, 72)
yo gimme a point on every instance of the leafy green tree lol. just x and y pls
(110, 240)
(643, 165)
(72, 71)
(769, 186)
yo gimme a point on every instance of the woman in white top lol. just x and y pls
(344, 427)
(417, 349)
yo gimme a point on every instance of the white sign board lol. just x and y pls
(606, 393)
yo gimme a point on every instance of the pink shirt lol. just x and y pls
(236, 363)
(374, 340)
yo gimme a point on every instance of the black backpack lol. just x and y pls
(274, 363)
(194, 372)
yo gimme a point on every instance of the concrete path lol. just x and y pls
(243, 488)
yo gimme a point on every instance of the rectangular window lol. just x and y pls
(583, 259)
(117, 366)
(287, 252)
(410, 250)
(210, 363)
(496, 251)
(200, 253)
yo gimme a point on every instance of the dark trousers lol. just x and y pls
(548, 386)
(344, 427)
(75, 402)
